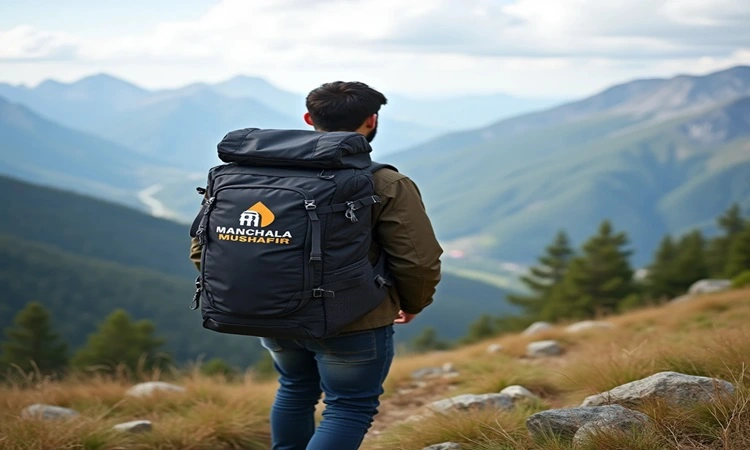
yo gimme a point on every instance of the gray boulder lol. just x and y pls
(543, 348)
(444, 446)
(152, 387)
(588, 325)
(136, 426)
(673, 387)
(608, 425)
(536, 328)
(566, 422)
(473, 402)
(47, 412)
(494, 348)
(519, 393)
(709, 286)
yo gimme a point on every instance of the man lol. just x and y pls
(350, 368)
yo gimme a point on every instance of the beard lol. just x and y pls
(371, 135)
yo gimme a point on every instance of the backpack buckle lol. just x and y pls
(350, 212)
(310, 205)
(318, 293)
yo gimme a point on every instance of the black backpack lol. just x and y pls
(285, 228)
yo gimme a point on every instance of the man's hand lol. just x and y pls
(404, 317)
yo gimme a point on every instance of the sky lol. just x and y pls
(422, 48)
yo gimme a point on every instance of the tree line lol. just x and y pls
(598, 279)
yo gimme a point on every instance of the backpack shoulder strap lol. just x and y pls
(375, 166)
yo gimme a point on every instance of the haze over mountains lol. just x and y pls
(655, 155)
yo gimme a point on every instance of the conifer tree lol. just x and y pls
(731, 223)
(661, 274)
(482, 328)
(597, 280)
(690, 264)
(739, 254)
(545, 276)
(428, 340)
(31, 342)
(120, 340)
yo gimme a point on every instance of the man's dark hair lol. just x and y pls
(343, 105)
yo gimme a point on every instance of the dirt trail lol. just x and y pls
(409, 399)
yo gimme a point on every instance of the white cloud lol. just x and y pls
(468, 45)
(27, 43)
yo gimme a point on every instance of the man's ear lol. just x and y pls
(308, 119)
(371, 121)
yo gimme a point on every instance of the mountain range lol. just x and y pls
(655, 155)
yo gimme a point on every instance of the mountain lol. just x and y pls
(83, 105)
(462, 112)
(39, 150)
(82, 258)
(652, 166)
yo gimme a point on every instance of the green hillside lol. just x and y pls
(93, 228)
(504, 197)
(81, 291)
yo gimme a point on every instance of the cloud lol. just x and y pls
(27, 43)
(467, 45)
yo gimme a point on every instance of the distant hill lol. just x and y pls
(84, 257)
(42, 151)
(651, 166)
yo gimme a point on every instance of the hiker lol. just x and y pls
(350, 367)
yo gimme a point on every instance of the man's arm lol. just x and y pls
(405, 233)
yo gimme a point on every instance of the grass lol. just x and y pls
(707, 336)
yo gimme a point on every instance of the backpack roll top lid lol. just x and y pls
(296, 148)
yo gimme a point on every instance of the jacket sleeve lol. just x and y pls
(404, 232)
(195, 253)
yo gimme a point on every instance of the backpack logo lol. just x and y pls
(252, 228)
(257, 216)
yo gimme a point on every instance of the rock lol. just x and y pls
(709, 286)
(152, 387)
(673, 387)
(519, 393)
(537, 327)
(47, 412)
(448, 370)
(624, 424)
(682, 298)
(566, 422)
(444, 446)
(471, 401)
(494, 348)
(543, 348)
(587, 325)
(136, 426)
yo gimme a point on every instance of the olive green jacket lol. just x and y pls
(403, 231)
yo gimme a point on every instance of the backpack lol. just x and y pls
(285, 228)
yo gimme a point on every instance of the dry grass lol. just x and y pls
(708, 336)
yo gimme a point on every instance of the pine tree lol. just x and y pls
(428, 340)
(597, 280)
(119, 340)
(31, 342)
(482, 328)
(739, 254)
(546, 276)
(690, 264)
(661, 272)
(731, 223)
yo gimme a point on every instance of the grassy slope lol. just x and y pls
(703, 337)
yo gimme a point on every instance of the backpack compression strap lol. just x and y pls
(375, 166)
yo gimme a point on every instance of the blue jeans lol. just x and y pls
(349, 369)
